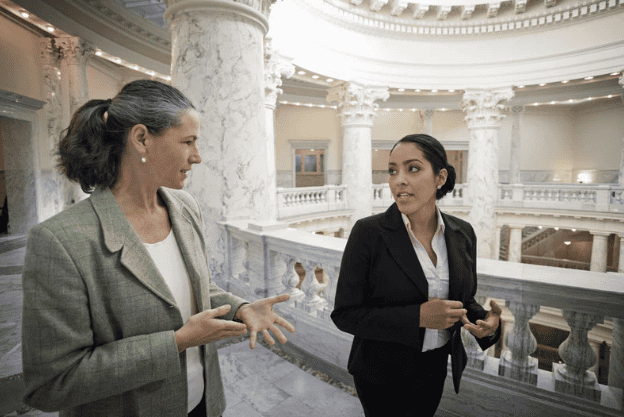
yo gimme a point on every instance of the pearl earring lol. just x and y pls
(439, 186)
(143, 159)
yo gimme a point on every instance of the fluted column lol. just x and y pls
(515, 243)
(484, 113)
(218, 62)
(516, 144)
(515, 362)
(599, 252)
(476, 356)
(573, 377)
(275, 66)
(429, 121)
(53, 183)
(75, 54)
(357, 110)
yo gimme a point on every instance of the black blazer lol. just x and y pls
(381, 287)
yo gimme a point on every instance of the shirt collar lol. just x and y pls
(441, 226)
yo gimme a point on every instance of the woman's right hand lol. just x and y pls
(440, 314)
(204, 328)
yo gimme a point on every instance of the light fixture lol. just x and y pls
(24, 14)
(434, 91)
(588, 78)
(50, 29)
(315, 76)
(301, 72)
(567, 242)
(565, 81)
(417, 90)
(329, 80)
(574, 230)
(401, 89)
(152, 73)
(571, 101)
(98, 53)
(615, 73)
(556, 228)
(553, 102)
(536, 104)
(590, 98)
(451, 91)
(542, 84)
(539, 227)
(118, 60)
(168, 78)
(520, 86)
(610, 96)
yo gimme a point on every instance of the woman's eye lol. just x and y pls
(413, 168)
(391, 171)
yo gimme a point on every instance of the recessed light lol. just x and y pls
(152, 73)
(567, 242)
(25, 15)
(451, 91)
(434, 91)
(574, 230)
(329, 80)
(301, 72)
(590, 99)
(50, 29)
(401, 89)
(118, 60)
(536, 104)
(542, 84)
(315, 76)
(615, 73)
(565, 81)
(588, 78)
(168, 78)
(610, 96)
(553, 102)
(556, 228)
(417, 90)
(98, 53)
(520, 86)
(571, 101)
(539, 227)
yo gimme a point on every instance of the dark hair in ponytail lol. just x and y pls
(90, 148)
(436, 155)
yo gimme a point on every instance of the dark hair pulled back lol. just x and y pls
(436, 155)
(90, 148)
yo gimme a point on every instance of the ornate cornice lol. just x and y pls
(357, 102)
(74, 49)
(275, 66)
(484, 108)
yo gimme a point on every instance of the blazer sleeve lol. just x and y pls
(62, 366)
(354, 311)
(475, 310)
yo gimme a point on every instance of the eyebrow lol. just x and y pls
(406, 162)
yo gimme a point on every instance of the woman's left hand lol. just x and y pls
(486, 327)
(260, 317)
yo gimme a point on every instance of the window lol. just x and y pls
(310, 167)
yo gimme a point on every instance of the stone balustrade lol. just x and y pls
(293, 202)
(261, 262)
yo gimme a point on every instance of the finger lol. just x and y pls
(465, 320)
(219, 311)
(279, 298)
(252, 339)
(285, 324)
(278, 333)
(457, 313)
(268, 338)
(454, 304)
(495, 308)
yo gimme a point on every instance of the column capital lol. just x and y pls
(484, 107)
(275, 66)
(429, 113)
(255, 10)
(601, 233)
(517, 110)
(49, 52)
(75, 50)
(357, 102)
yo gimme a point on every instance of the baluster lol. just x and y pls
(311, 287)
(616, 361)
(240, 260)
(332, 273)
(290, 279)
(476, 356)
(573, 377)
(515, 362)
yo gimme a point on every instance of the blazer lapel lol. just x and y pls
(188, 242)
(401, 248)
(119, 235)
(456, 250)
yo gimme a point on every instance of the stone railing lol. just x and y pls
(293, 202)
(588, 197)
(261, 262)
(382, 196)
(554, 262)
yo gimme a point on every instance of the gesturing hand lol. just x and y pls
(204, 328)
(440, 314)
(260, 317)
(487, 326)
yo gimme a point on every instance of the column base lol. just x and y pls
(586, 386)
(311, 307)
(523, 372)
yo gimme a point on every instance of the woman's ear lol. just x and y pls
(442, 176)
(138, 137)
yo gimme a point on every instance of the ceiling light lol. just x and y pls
(542, 84)
(610, 96)
(50, 29)
(520, 86)
(315, 76)
(556, 228)
(118, 60)
(574, 230)
(588, 78)
(571, 101)
(417, 90)
(553, 102)
(590, 99)
(451, 91)
(152, 73)
(565, 81)
(536, 104)
(98, 53)
(401, 89)
(615, 73)
(539, 227)
(168, 78)
(329, 80)
(24, 14)
(567, 242)
(434, 91)
(301, 72)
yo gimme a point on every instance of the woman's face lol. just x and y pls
(171, 154)
(412, 180)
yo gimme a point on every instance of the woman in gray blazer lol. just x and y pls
(407, 284)
(119, 311)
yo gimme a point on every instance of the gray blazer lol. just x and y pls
(99, 320)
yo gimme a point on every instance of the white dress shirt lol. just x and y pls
(437, 277)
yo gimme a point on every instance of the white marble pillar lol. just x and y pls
(515, 243)
(621, 260)
(75, 54)
(497, 241)
(429, 121)
(515, 362)
(621, 173)
(516, 144)
(275, 66)
(484, 110)
(599, 252)
(616, 361)
(217, 61)
(573, 377)
(53, 183)
(358, 108)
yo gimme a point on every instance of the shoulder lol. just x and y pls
(370, 224)
(184, 199)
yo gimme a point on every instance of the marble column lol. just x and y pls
(484, 113)
(573, 377)
(621, 260)
(599, 252)
(217, 61)
(516, 142)
(515, 362)
(429, 121)
(75, 54)
(357, 110)
(53, 183)
(621, 173)
(616, 361)
(515, 243)
(497, 241)
(275, 66)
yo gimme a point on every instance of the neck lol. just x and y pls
(133, 193)
(425, 220)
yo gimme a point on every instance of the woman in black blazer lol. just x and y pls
(406, 286)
